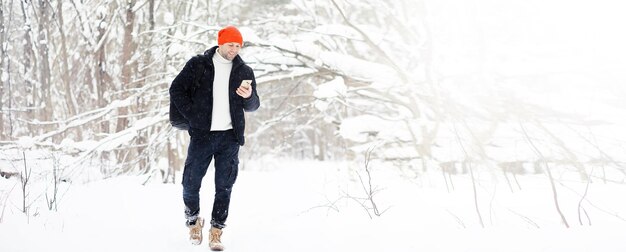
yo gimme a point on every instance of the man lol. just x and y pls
(209, 93)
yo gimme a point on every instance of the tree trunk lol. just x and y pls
(44, 69)
(128, 47)
(127, 51)
(173, 161)
(3, 54)
(101, 75)
(144, 164)
(30, 63)
(70, 100)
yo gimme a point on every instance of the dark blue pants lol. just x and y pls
(205, 145)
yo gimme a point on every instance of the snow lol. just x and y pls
(333, 88)
(26, 142)
(358, 68)
(337, 30)
(249, 34)
(286, 205)
(357, 128)
(505, 61)
(176, 49)
(168, 18)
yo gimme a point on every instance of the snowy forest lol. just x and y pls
(90, 78)
(461, 92)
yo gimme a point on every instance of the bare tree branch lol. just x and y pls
(542, 157)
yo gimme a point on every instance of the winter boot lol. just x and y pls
(215, 244)
(195, 231)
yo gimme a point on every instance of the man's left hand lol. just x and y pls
(244, 92)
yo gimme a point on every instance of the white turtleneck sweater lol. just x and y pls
(220, 119)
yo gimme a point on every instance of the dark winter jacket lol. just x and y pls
(197, 106)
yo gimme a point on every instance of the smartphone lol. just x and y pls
(246, 83)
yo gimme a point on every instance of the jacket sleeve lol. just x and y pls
(179, 90)
(252, 103)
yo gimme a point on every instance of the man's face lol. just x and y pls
(229, 50)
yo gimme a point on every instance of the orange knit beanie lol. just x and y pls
(229, 34)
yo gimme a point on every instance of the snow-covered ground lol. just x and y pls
(506, 61)
(284, 205)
